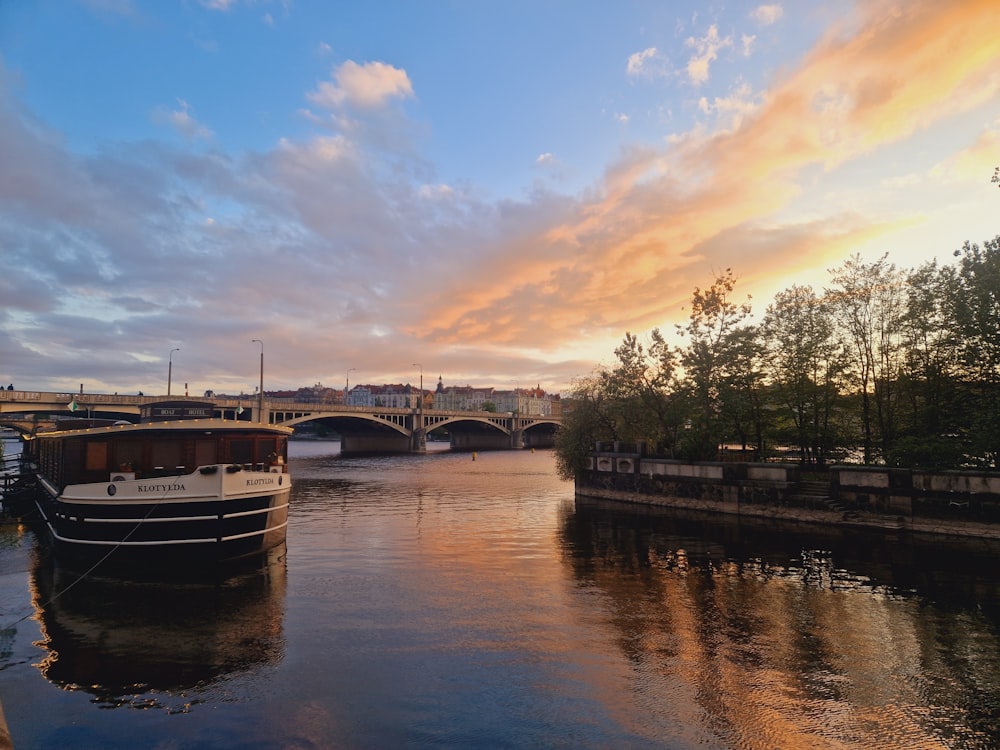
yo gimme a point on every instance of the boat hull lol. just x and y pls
(217, 512)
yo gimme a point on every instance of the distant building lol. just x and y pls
(394, 396)
(529, 402)
(462, 398)
(318, 393)
(524, 402)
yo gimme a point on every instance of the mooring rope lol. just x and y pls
(93, 567)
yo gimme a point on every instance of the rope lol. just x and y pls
(93, 567)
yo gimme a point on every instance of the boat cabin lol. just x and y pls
(171, 441)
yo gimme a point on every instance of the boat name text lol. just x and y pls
(260, 481)
(175, 487)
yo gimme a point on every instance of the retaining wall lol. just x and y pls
(962, 503)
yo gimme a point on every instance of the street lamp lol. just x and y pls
(420, 402)
(170, 368)
(347, 383)
(260, 390)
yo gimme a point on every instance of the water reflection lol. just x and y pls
(440, 601)
(144, 642)
(779, 638)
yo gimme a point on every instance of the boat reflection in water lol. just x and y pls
(158, 642)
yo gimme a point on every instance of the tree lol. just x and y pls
(910, 361)
(588, 417)
(933, 425)
(714, 317)
(805, 365)
(868, 302)
(741, 389)
(645, 385)
(977, 319)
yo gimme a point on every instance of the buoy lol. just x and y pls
(473, 455)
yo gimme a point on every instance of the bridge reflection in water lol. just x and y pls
(363, 429)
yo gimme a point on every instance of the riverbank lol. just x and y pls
(949, 503)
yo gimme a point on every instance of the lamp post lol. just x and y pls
(260, 390)
(347, 383)
(170, 368)
(420, 398)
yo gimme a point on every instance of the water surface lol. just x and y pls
(441, 601)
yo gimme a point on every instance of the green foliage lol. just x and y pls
(885, 365)
(804, 365)
(717, 366)
(977, 316)
(931, 453)
(587, 419)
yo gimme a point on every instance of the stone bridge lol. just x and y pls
(362, 429)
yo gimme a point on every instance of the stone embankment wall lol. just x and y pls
(959, 503)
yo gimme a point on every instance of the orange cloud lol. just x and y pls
(665, 219)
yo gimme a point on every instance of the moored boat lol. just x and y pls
(180, 485)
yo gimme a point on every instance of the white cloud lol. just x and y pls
(748, 42)
(358, 222)
(435, 192)
(319, 149)
(182, 121)
(706, 51)
(766, 15)
(222, 5)
(649, 63)
(731, 109)
(368, 86)
(638, 61)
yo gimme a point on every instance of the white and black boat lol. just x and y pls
(180, 485)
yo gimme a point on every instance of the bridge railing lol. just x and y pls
(250, 401)
(92, 398)
(6, 395)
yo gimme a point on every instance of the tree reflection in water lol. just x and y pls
(782, 636)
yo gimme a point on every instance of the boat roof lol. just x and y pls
(180, 425)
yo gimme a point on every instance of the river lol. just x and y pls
(454, 600)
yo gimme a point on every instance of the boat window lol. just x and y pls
(166, 455)
(241, 451)
(96, 457)
(128, 453)
(206, 452)
(266, 450)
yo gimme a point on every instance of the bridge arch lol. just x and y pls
(342, 420)
(434, 422)
(370, 429)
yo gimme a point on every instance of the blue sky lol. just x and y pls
(498, 191)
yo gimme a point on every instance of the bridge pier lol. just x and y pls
(539, 440)
(368, 444)
(480, 441)
(418, 441)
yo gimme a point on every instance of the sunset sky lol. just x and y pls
(497, 191)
